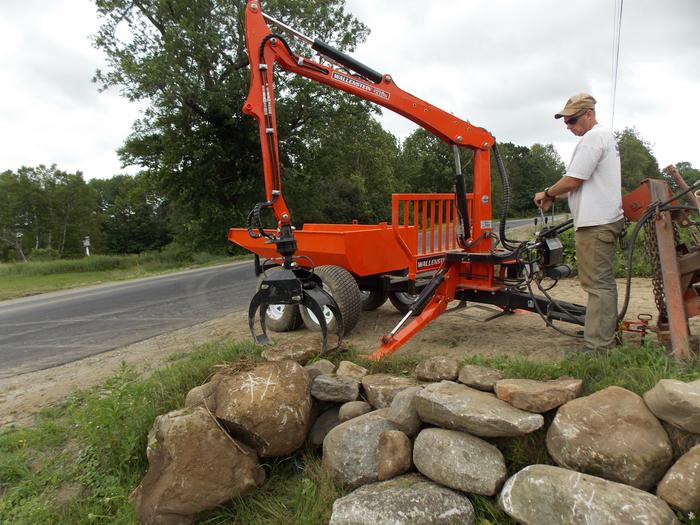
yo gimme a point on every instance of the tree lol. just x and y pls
(638, 162)
(135, 214)
(46, 208)
(187, 59)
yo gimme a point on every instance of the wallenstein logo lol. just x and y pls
(361, 85)
(429, 262)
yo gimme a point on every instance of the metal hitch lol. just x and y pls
(294, 286)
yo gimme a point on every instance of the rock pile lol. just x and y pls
(413, 449)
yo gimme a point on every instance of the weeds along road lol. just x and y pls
(52, 329)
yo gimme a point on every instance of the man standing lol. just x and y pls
(594, 185)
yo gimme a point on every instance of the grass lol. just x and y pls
(30, 278)
(81, 460)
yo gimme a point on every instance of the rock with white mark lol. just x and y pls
(332, 387)
(680, 487)
(543, 494)
(611, 434)
(677, 403)
(350, 449)
(437, 368)
(393, 454)
(458, 407)
(407, 500)
(193, 466)
(348, 368)
(403, 411)
(353, 409)
(267, 407)
(538, 396)
(380, 389)
(459, 461)
(479, 377)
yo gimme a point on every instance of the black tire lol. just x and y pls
(341, 285)
(402, 301)
(280, 317)
(373, 299)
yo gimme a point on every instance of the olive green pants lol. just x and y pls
(595, 254)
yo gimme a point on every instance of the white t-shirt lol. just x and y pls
(596, 160)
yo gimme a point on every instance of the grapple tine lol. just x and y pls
(256, 302)
(322, 298)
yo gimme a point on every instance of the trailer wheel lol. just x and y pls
(402, 301)
(373, 299)
(280, 317)
(341, 285)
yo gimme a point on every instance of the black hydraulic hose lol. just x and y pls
(505, 203)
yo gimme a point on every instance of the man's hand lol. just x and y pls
(542, 201)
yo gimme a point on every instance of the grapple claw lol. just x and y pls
(285, 287)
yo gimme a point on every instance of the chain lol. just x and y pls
(651, 248)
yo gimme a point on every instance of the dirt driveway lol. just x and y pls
(460, 333)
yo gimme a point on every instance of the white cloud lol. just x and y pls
(506, 65)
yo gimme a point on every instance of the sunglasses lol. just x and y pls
(573, 120)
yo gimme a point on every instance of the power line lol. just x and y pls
(617, 29)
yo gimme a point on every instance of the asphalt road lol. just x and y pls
(56, 328)
(51, 329)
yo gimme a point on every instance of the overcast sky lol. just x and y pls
(506, 65)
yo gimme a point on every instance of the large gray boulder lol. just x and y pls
(406, 500)
(350, 369)
(677, 403)
(437, 368)
(267, 407)
(543, 494)
(193, 465)
(393, 454)
(458, 407)
(611, 434)
(380, 389)
(479, 377)
(459, 461)
(322, 366)
(403, 411)
(538, 396)
(350, 449)
(335, 388)
(680, 487)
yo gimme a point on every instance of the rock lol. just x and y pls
(681, 441)
(393, 454)
(406, 500)
(437, 368)
(204, 395)
(479, 377)
(350, 369)
(193, 466)
(267, 407)
(290, 353)
(541, 494)
(403, 411)
(353, 409)
(538, 396)
(381, 388)
(350, 449)
(322, 366)
(332, 387)
(458, 407)
(611, 434)
(677, 403)
(323, 425)
(680, 487)
(459, 461)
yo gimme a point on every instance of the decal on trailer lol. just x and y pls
(430, 263)
(361, 85)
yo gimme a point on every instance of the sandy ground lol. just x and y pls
(463, 332)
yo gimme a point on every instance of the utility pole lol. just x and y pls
(86, 244)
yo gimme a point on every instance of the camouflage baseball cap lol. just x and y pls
(576, 104)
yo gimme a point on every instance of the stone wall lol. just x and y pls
(414, 449)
